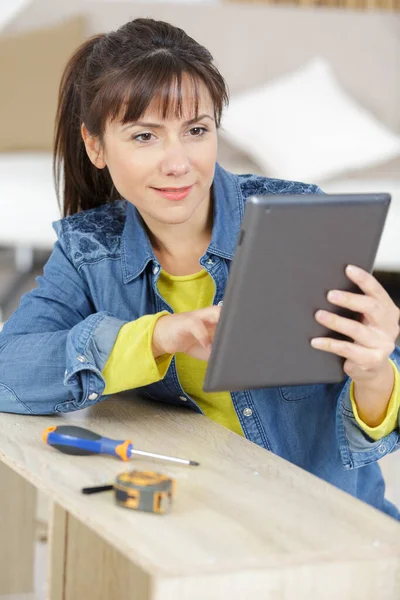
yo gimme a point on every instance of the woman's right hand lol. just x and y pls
(188, 332)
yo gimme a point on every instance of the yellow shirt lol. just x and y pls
(131, 363)
(186, 293)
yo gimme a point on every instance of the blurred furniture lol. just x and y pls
(391, 5)
(28, 205)
(245, 523)
(252, 44)
(31, 65)
(9, 9)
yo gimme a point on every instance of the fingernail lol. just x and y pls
(317, 343)
(352, 269)
(334, 295)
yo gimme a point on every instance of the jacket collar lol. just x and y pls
(228, 205)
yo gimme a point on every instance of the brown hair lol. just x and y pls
(124, 69)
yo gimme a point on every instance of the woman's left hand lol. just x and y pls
(374, 335)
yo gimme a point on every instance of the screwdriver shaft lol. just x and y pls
(161, 456)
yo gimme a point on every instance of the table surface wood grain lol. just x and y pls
(242, 509)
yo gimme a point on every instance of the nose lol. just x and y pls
(175, 160)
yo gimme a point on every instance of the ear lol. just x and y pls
(94, 148)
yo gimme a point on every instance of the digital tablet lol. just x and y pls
(291, 250)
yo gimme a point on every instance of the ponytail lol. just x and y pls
(79, 184)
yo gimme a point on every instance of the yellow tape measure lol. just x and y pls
(145, 490)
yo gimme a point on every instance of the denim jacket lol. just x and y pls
(103, 273)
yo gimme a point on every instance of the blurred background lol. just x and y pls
(315, 97)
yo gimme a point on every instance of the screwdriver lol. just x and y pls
(71, 439)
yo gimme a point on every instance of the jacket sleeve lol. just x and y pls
(357, 448)
(54, 346)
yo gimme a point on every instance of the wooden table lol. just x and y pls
(245, 524)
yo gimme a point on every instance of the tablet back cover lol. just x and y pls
(291, 251)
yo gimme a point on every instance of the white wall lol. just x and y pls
(9, 9)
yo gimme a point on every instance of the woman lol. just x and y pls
(131, 294)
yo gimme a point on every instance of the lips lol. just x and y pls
(174, 193)
(172, 189)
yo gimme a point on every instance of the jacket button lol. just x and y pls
(93, 396)
(81, 359)
(155, 270)
(382, 448)
(220, 303)
(247, 412)
(183, 398)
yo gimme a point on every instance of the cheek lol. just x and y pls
(206, 157)
(127, 168)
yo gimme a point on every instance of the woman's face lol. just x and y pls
(147, 158)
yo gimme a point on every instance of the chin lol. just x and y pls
(178, 213)
(175, 220)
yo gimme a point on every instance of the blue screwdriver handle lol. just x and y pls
(71, 439)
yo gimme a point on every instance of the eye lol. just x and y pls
(199, 131)
(146, 136)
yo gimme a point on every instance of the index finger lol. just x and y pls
(209, 313)
(367, 283)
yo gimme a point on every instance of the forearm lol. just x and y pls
(55, 371)
(131, 363)
(32, 371)
(372, 396)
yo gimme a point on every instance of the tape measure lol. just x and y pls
(145, 490)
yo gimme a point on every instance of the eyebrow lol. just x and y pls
(160, 126)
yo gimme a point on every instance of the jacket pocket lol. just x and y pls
(298, 392)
